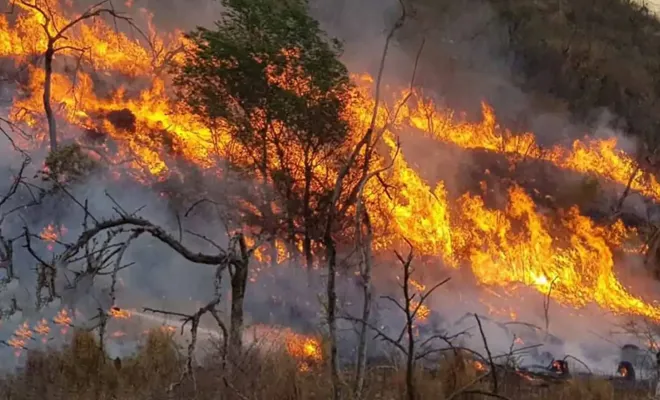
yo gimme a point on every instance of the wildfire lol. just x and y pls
(305, 349)
(51, 234)
(514, 244)
(623, 372)
(21, 336)
(589, 156)
(118, 313)
(64, 320)
(423, 312)
(42, 329)
(479, 366)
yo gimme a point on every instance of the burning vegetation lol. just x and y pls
(323, 170)
(151, 128)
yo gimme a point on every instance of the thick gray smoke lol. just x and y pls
(463, 62)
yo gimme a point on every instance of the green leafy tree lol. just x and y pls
(267, 79)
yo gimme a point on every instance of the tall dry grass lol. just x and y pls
(82, 371)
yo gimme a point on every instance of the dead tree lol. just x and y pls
(405, 340)
(367, 147)
(546, 305)
(363, 222)
(104, 315)
(239, 277)
(55, 34)
(194, 320)
(7, 243)
(235, 260)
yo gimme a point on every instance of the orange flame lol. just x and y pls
(116, 312)
(307, 350)
(64, 320)
(42, 329)
(515, 244)
(49, 233)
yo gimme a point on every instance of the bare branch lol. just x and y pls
(222, 257)
(490, 356)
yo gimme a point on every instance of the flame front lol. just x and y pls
(514, 244)
(306, 350)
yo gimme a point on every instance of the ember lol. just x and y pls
(626, 371)
(479, 366)
(560, 367)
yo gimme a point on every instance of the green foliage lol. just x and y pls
(226, 80)
(67, 164)
(267, 76)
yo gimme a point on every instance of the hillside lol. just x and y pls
(573, 57)
(252, 127)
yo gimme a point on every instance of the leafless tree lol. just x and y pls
(546, 305)
(405, 341)
(54, 35)
(367, 146)
(11, 204)
(194, 320)
(363, 223)
(6, 210)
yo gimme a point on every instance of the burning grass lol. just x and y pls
(566, 255)
(82, 371)
(503, 247)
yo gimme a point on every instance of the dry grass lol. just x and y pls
(82, 371)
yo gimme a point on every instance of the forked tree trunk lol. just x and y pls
(366, 307)
(238, 285)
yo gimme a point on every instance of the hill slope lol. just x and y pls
(580, 56)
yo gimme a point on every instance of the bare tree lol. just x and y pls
(546, 305)
(7, 209)
(239, 277)
(410, 306)
(335, 210)
(363, 222)
(194, 320)
(54, 35)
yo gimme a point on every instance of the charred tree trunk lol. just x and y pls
(410, 320)
(238, 285)
(48, 68)
(331, 253)
(366, 307)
